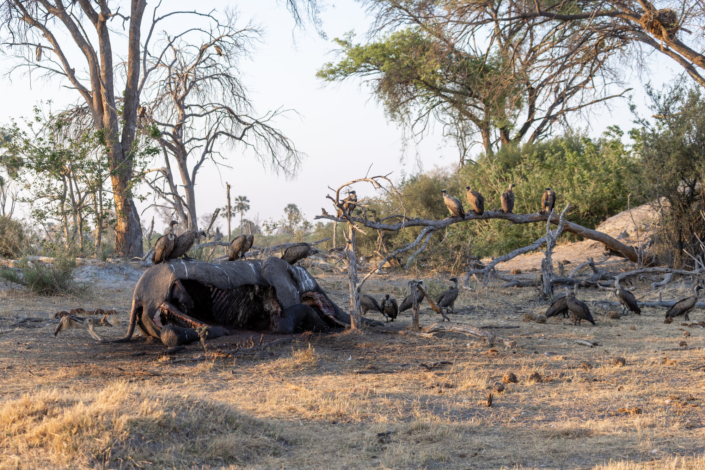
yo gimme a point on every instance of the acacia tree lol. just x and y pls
(459, 65)
(672, 28)
(200, 108)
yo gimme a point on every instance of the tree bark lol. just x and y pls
(229, 212)
(355, 320)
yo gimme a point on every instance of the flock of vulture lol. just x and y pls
(477, 201)
(170, 246)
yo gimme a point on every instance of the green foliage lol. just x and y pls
(672, 156)
(593, 175)
(46, 279)
(12, 237)
(417, 78)
(293, 224)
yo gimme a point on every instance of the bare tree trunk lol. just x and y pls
(335, 232)
(149, 234)
(355, 320)
(414, 304)
(229, 213)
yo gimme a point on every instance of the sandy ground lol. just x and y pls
(355, 400)
(631, 228)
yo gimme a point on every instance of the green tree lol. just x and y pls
(672, 156)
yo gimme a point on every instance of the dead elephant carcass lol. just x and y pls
(174, 299)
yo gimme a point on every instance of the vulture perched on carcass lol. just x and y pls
(239, 246)
(165, 245)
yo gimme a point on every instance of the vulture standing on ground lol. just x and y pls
(579, 309)
(165, 245)
(548, 201)
(349, 204)
(453, 205)
(558, 307)
(447, 299)
(407, 303)
(477, 202)
(367, 303)
(627, 300)
(297, 252)
(183, 243)
(685, 306)
(390, 309)
(508, 199)
(239, 246)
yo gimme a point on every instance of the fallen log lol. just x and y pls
(468, 330)
(657, 304)
(615, 245)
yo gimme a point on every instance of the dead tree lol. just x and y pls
(198, 106)
(547, 262)
(350, 251)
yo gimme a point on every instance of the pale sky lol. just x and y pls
(341, 129)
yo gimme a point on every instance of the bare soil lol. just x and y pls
(357, 400)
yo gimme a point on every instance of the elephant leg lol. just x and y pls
(176, 336)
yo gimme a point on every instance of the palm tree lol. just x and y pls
(242, 205)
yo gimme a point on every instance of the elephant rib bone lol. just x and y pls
(171, 312)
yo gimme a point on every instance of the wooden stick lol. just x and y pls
(475, 332)
(435, 307)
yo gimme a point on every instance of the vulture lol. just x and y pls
(390, 309)
(548, 200)
(349, 204)
(297, 252)
(558, 307)
(367, 303)
(142, 111)
(183, 243)
(239, 246)
(579, 309)
(627, 300)
(685, 306)
(453, 205)
(447, 299)
(39, 52)
(71, 321)
(218, 50)
(407, 303)
(477, 202)
(508, 199)
(165, 245)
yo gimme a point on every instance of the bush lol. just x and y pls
(45, 279)
(11, 237)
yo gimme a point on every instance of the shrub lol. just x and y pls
(45, 279)
(11, 237)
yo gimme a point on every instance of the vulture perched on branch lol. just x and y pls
(390, 309)
(297, 252)
(453, 205)
(685, 306)
(579, 309)
(165, 245)
(477, 202)
(548, 201)
(508, 200)
(367, 303)
(349, 204)
(447, 299)
(239, 246)
(184, 242)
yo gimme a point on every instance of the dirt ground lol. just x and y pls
(358, 400)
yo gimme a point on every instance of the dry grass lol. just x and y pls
(358, 400)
